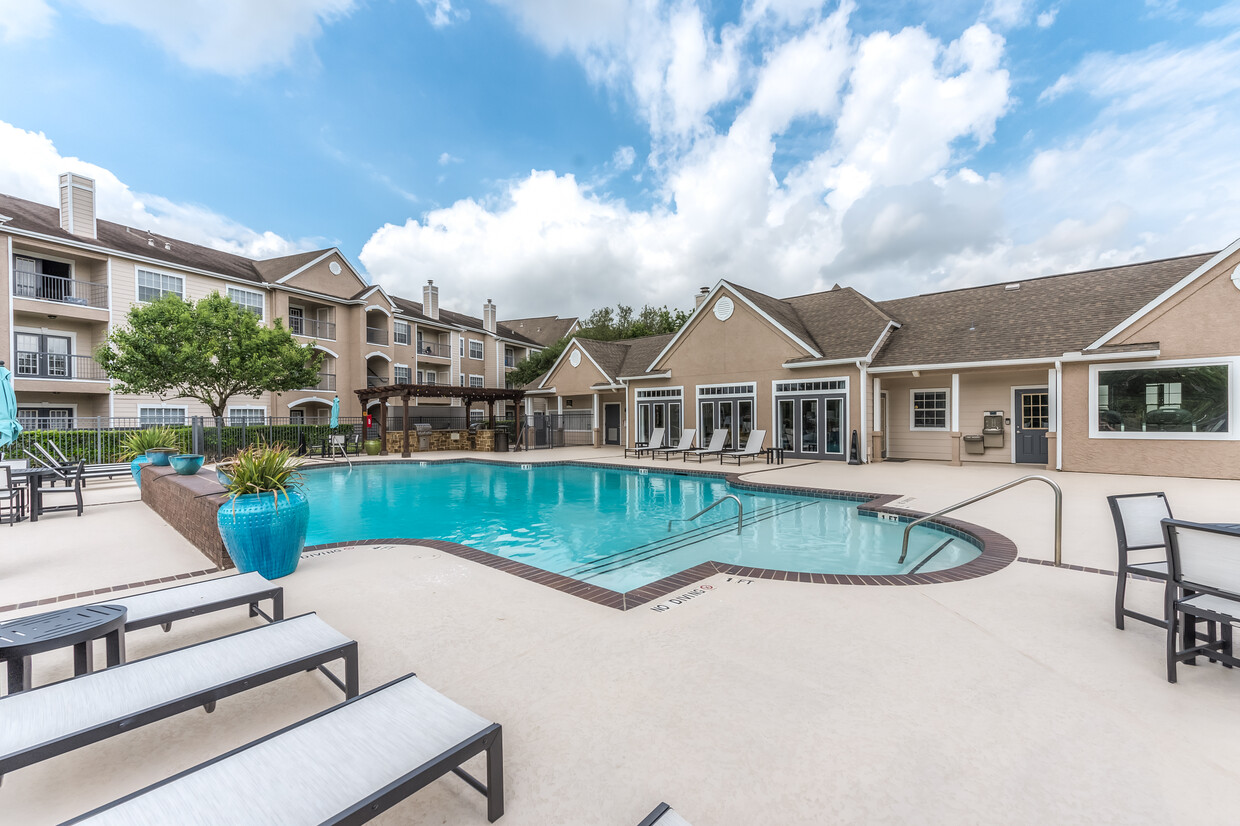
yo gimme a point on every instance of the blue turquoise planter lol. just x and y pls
(135, 467)
(159, 456)
(261, 537)
(187, 464)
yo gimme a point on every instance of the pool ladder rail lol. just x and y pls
(987, 494)
(740, 512)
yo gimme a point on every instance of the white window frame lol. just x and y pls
(262, 301)
(947, 409)
(482, 380)
(137, 283)
(184, 414)
(43, 407)
(396, 325)
(246, 408)
(481, 349)
(1233, 400)
(477, 416)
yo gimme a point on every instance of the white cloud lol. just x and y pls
(30, 165)
(231, 37)
(624, 158)
(25, 20)
(448, 158)
(1046, 19)
(1007, 13)
(442, 13)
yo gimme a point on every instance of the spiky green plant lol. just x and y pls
(139, 442)
(263, 469)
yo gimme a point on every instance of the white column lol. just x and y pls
(955, 422)
(1054, 386)
(559, 404)
(878, 403)
(863, 437)
(594, 409)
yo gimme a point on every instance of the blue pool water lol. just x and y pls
(609, 526)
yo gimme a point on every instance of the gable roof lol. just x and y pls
(546, 330)
(273, 269)
(1038, 318)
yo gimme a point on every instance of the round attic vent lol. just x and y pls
(1235, 277)
(334, 267)
(574, 358)
(724, 308)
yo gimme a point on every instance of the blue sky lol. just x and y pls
(558, 155)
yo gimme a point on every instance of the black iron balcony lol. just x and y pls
(377, 381)
(60, 290)
(376, 335)
(311, 328)
(434, 348)
(327, 381)
(43, 365)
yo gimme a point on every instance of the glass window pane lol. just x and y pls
(787, 423)
(708, 423)
(726, 423)
(809, 425)
(673, 423)
(832, 434)
(744, 421)
(1164, 400)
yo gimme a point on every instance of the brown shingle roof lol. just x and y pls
(273, 269)
(546, 330)
(1044, 318)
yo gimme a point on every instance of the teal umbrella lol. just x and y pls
(336, 412)
(10, 427)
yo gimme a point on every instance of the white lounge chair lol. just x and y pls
(685, 443)
(165, 606)
(663, 815)
(655, 442)
(53, 719)
(345, 765)
(751, 450)
(717, 440)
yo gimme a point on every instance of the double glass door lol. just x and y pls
(656, 414)
(812, 427)
(733, 415)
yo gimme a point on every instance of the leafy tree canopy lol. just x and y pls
(209, 350)
(605, 324)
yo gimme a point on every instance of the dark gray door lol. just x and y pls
(1032, 421)
(611, 424)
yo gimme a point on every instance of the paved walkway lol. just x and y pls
(1006, 699)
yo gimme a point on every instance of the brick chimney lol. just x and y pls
(700, 297)
(430, 300)
(77, 204)
(488, 316)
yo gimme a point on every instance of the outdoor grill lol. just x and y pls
(424, 435)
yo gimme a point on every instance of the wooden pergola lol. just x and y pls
(405, 392)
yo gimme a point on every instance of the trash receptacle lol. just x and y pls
(501, 440)
(973, 444)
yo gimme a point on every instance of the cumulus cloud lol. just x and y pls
(888, 117)
(624, 158)
(1046, 19)
(30, 165)
(25, 20)
(446, 158)
(442, 13)
(1007, 13)
(230, 37)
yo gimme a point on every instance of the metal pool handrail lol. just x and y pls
(740, 512)
(989, 493)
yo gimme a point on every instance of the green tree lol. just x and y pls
(209, 350)
(604, 324)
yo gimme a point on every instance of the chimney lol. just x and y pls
(430, 300)
(77, 204)
(488, 316)
(700, 297)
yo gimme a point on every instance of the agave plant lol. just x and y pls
(139, 442)
(263, 469)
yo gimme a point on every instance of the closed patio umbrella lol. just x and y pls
(10, 427)
(336, 412)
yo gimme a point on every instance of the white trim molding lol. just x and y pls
(1232, 363)
(947, 409)
(309, 400)
(377, 354)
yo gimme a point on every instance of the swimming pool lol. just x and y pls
(609, 527)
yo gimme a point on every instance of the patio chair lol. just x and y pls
(752, 449)
(104, 470)
(1138, 527)
(717, 440)
(663, 815)
(69, 477)
(1203, 584)
(53, 719)
(12, 498)
(167, 605)
(653, 443)
(344, 765)
(685, 443)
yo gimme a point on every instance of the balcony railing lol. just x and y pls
(327, 381)
(312, 328)
(377, 381)
(376, 335)
(60, 290)
(44, 365)
(434, 348)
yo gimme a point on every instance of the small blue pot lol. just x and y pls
(135, 467)
(262, 537)
(223, 478)
(159, 456)
(187, 464)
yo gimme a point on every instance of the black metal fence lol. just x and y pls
(548, 430)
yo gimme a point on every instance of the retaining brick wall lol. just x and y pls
(189, 504)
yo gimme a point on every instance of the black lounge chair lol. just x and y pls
(351, 763)
(53, 719)
(166, 605)
(1138, 527)
(12, 498)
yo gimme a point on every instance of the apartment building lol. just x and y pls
(72, 277)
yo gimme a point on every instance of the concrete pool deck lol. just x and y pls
(1010, 698)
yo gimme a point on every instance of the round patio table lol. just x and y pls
(79, 627)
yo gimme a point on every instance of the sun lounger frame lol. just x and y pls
(206, 698)
(271, 591)
(490, 740)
